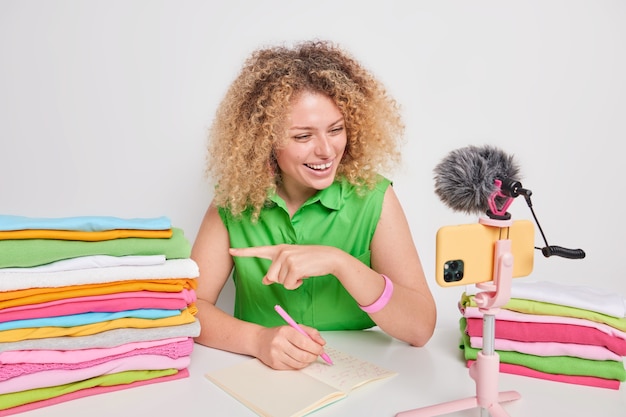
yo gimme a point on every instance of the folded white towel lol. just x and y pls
(92, 261)
(110, 338)
(578, 296)
(170, 269)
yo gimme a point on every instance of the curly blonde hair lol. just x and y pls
(249, 123)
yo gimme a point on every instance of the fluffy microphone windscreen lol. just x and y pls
(464, 180)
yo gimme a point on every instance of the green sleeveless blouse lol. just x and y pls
(336, 216)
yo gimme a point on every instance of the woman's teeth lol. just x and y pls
(319, 166)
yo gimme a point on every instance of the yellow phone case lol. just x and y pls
(465, 253)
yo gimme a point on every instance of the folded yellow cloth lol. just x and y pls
(84, 236)
(41, 295)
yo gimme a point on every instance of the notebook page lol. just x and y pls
(348, 372)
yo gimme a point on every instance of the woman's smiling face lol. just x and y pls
(317, 140)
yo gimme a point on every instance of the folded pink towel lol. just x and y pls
(37, 355)
(592, 352)
(172, 350)
(549, 332)
(105, 303)
(56, 377)
(510, 315)
(590, 381)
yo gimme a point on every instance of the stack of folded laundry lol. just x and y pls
(92, 304)
(565, 333)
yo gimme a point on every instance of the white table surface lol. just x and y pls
(429, 375)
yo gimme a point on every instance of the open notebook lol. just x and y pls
(272, 393)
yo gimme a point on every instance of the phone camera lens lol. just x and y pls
(453, 271)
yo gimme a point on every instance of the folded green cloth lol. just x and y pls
(548, 309)
(34, 252)
(564, 365)
(39, 394)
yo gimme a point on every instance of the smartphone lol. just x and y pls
(465, 253)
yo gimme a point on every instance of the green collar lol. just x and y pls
(330, 197)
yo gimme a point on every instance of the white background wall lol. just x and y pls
(104, 106)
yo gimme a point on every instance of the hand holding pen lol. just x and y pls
(295, 325)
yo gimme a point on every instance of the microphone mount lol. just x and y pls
(500, 200)
(506, 190)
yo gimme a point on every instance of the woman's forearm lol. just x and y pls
(222, 331)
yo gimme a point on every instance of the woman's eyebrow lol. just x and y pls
(310, 127)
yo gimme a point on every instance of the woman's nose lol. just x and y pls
(323, 147)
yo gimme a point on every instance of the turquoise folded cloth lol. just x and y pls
(82, 223)
(24, 253)
(83, 319)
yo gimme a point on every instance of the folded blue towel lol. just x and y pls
(87, 318)
(83, 223)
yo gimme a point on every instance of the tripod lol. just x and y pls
(485, 370)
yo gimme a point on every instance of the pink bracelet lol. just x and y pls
(382, 300)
